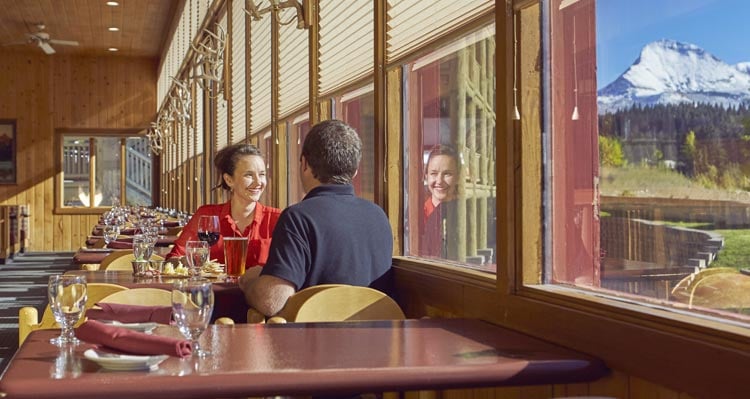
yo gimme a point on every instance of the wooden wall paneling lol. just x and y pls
(98, 96)
(82, 230)
(45, 93)
(78, 75)
(615, 385)
(128, 102)
(536, 392)
(61, 92)
(570, 390)
(640, 388)
(68, 231)
(45, 216)
(111, 94)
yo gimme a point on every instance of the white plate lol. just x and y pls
(112, 361)
(142, 327)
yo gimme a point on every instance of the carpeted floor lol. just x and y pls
(23, 282)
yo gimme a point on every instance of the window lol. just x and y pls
(92, 171)
(357, 109)
(449, 160)
(648, 174)
(266, 143)
(298, 128)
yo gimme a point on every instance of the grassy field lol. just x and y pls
(736, 250)
(644, 181)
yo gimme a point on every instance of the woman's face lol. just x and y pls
(249, 178)
(442, 178)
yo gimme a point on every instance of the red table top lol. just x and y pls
(310, 358)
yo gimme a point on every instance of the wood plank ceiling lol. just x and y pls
(143, 25)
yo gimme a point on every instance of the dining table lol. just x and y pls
(321, 359)
(95, 255)
(229, 300)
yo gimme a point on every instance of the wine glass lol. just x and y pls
(67, 299)
(196, 253)
(192, 305)
(208, 229)
(110, 233)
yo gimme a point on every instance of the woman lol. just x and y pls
(441, 179)
(243, 174)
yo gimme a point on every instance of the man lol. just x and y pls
(331, 236)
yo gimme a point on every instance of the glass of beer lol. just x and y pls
(235, 253)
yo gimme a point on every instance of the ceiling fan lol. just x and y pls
(43, 41)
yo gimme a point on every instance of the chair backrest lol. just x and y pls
(122, 262)
(112, 256)
(340, 303)
(94, 291)
(140, 296)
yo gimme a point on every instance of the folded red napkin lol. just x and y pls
(130, 341)
(130, 313)
(120, 245)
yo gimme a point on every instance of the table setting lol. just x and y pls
(126, 337)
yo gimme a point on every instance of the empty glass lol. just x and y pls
(110, 233)
(143, 247)
(192, 305)
(196, 253)
(67, 300)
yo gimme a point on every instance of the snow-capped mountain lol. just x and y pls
(672, 72)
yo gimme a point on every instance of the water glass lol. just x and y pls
(67, 300)
(196, 253)
(143, 247)
(192, 305)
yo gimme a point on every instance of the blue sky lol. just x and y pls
(721, 27)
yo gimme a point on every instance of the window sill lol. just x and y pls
(80, 211)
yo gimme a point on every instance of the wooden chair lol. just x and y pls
(140, 296)
(28, 317)
(334, 302)
(149, 297)
(122, 261)
(112, 256)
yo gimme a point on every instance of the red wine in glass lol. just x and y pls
(208, 229)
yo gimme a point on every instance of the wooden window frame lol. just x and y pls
(123, 134)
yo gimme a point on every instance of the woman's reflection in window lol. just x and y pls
(441, 180)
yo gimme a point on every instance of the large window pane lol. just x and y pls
(298, 129)
(138, 166)
(357, 109)
(649, 171)
(107, 171)
(101, 157)
(76, 166)
(449, 157)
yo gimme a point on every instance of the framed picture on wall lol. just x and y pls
(7, 151)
